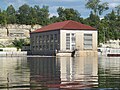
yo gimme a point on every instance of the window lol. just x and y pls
(44, 47)
(51, 38)
(47, 38)
(40, 47)
(87, 41)
(55, 37)
(36, 47)
(51, 46)
(67, 41)
(73, 46)
(40, 39)
(47, 46)
(33, 47)
(73, 38)
(70, 41)
(43, 39)
(55, 45)
(33, 40)
(37, 41)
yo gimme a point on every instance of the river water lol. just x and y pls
(56, 73)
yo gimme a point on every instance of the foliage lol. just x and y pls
(108, 27)
(3, 18)
(27, 42)
(92, 20)
(66, 14)
(118, 10)
(96, 6)
(11, 18)
(18, 43)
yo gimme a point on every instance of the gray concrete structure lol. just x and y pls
(45, 43)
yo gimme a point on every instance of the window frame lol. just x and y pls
(88, 41)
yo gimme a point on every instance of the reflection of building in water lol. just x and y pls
(14, 70)
(57, 72)
(109, 72)
(43, 71)
(79, 69)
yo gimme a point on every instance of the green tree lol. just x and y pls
(32, 17)
(92, 20)
(61, 14)
(18, 43)
(111, 16)
(113, 25)
(11, 14)
(3, 20)
(42, 15)
(68, 14)
(23, 14)
(96, 6)
(0, 10)
(118, 10)
(54, 19)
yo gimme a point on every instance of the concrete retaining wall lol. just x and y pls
(64, 54)
(80, 54)
(86, 53)
(12, 54)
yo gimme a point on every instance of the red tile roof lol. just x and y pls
(65, 25)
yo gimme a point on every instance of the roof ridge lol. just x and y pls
(66, 23)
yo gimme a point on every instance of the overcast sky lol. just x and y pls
(54, 4)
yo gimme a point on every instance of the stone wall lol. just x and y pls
(10, 32)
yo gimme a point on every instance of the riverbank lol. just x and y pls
(13, 54)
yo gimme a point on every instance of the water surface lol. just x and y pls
(50, 73)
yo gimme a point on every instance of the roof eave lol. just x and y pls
(45, 31)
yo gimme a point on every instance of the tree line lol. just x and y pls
(108, 26)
